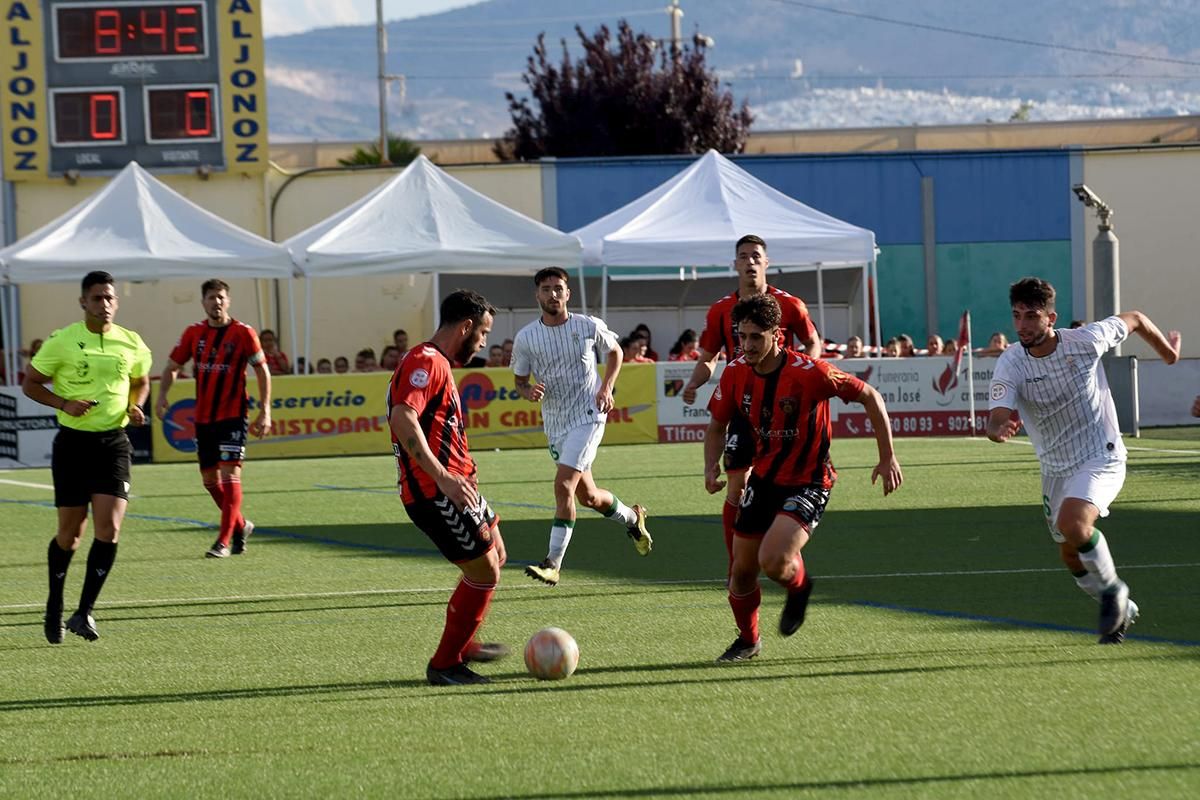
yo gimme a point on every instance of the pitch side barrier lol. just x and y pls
(322, 415)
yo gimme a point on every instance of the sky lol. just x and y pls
(282, 17)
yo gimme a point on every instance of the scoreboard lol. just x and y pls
(90, 85)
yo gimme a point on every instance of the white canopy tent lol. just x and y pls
(424, 220)
(139, 229)
(686, 227)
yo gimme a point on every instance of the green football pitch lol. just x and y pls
(947, 653)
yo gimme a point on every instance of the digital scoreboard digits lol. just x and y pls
(125, 31)
(86, 86)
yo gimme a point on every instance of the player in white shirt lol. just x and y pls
(1056, 382)
(559, 350)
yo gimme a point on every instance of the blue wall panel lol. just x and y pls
(980, 197)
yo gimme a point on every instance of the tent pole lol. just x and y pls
(582, 290)
(308, 293)
(875, 292)
(292, 321)
(9, 375)
(866, 302)
(821, 305)
(13, 351)
(604, 293)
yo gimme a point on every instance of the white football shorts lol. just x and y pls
(577, 447)
(1098, 482)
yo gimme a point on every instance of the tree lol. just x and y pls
(615, 102)
(401, 151)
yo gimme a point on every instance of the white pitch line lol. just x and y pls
(26, 484)
(1127, 447)
(581, 584)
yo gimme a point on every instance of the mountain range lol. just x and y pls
(836, 63)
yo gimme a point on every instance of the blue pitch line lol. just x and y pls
(1020, 623)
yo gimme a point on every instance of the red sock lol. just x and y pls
(231, 508)
(728, 516)
(464, 614)
(218, 496)
(798, 579)
(745, 613)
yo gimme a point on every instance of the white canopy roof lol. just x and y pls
(693, 220)
(139, 229)
(423, 220)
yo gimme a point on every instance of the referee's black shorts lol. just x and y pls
(85, 463)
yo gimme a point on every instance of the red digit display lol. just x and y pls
(180, 114)
(87, 117)
(134, 31)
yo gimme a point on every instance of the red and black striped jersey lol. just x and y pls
(424, 383)
(221, 355)
(788, 412)
(719, 330)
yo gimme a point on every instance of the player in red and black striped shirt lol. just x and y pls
(720, 333)
(438, 480)
(783, 396)
(221, 349)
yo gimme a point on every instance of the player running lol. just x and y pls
(559, 349)
(221, 348)
(720, 333)
(438, 480)
(1056, 382)
(782, 397)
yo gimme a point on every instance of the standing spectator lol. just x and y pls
(684, 348)
(495, 356)
(559, 348)
(439, 481)
(341, 365)
(277, 360)
(720, 336)
(950, 347)
(934, 345)
(1056, 382)
(324, 366)
(400, 340)
(643, 331)
(101, 376)
(854, 348)
(302, 367)
(892, 348)
(222, 348)
(634, 349)
(996, 345)
(390, 358)
(784, 396)
(507, 349)
(907, 346)
(364, 361)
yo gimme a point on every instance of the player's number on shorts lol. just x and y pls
(1046, 506)
(747, 497)
(554, 452)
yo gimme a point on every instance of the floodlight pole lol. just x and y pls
(381, 54)
(1106, 259)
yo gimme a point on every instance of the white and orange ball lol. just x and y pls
(551, 654)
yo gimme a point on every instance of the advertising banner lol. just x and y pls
(677, 421)
(321, 415)
(27, 430)
(924, 396)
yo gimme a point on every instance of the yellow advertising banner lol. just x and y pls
(243, 86)
(23, 108)
(325, 415)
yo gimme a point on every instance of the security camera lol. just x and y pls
(1087, 196)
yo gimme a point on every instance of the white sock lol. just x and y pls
(560, 537)
(1088, 583)
(621, 513)
(1098, 561)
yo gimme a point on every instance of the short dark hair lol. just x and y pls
(265, 331)
(399, 331)
(760, 309)
(549, 272)
(750, 238)
(1033, 292)
(464, 304)
(342, 360)
(93, 278)
(213, 285)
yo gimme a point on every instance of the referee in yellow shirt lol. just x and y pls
(96, 374)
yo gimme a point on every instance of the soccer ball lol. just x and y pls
(551, 654)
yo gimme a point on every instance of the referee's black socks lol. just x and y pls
(59, 561)
(99, 564)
